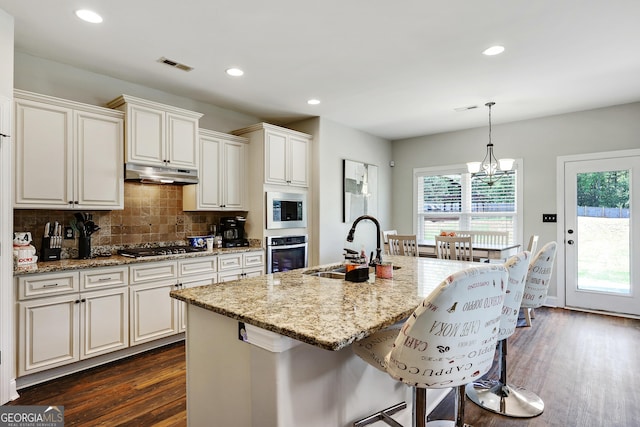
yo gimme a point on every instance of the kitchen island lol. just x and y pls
(275, 350)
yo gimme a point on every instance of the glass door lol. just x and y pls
(602, 234)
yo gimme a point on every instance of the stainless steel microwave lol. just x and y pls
(286, 210)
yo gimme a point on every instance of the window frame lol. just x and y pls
(461, 169)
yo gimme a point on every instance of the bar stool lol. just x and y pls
(500, 396)
(448, 341)
(494, 394)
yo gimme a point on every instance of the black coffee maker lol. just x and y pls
(232, 231)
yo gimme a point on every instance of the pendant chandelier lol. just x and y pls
(490, 170)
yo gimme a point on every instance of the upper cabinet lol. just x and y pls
(158, 134)
(68, 155)
(286, 153)
(222, 174)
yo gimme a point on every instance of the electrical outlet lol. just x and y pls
(68, 233)
(549, 218)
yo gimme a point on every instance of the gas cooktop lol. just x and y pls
(159, 251)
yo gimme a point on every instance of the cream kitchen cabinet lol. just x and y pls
(158, 134)
(195, 272)
(68, 155)
(70, 316)
(154, 314)
(285, 151)
(222, 174)
(240, 265)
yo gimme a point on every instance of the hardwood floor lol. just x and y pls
(143, 390)
(584, 366)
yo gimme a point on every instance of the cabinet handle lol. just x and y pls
(83, 300)
(76, 202)
(77, 301)
(70, 202)
(104, 279)
(52, 285)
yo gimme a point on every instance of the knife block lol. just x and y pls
(47, 252)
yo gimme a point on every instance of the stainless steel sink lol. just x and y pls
(336, 273)
(329, 274)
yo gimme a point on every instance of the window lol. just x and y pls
(447, 198)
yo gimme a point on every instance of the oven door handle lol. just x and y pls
(298, 245)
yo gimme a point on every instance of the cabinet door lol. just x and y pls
(183, 305)
(145, 135)
(43, 155)
(104, 321)
(99, 179)
(228, 276)
(209, 174)
(153, 313)
(234, 187)
(298, 159)
(182, 138)
(47, 333)
(275, 156)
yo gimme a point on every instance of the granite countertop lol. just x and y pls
(325, 312)
(100, 261)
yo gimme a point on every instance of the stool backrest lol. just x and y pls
(536, 285)
(517, 266)
(403, 245)
(450, 338)
(456, 247)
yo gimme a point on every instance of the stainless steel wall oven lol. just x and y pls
(286, 253)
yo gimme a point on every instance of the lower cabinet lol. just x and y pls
(57, 330)
(153, 314)
(240, 265)
(68, 316)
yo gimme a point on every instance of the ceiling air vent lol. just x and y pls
(470, 107)
(175, 64)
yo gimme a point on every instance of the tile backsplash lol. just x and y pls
(152, 214)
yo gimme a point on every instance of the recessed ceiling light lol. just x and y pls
(313, 102)
(493, 50)
(235, 72)
(89, 16)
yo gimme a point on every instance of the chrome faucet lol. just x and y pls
(378, 259)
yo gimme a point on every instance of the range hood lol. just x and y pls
(159, 175)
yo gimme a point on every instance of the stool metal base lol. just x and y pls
(383, 415)
(507, 400)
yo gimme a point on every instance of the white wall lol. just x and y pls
(538, 142)
(333, 143)
(64, 81)
(7, 377)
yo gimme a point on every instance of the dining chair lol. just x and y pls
(448, 341)
(497, 395)
(531, 247)
(537, 284)
(454, 247)
(385, 239)
(403, 245)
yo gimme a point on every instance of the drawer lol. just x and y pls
(197, 266)
(39, 285)
(230, 262)
(108, 277)
(153, 271)
(254, 259)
